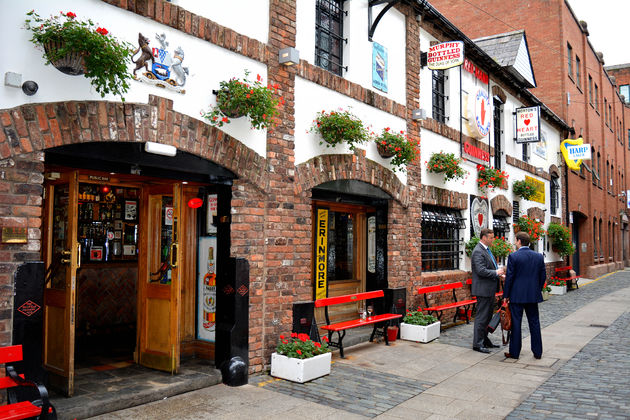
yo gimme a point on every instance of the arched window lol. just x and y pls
(595, 239)
(599, 231)
(599, 169)
(555, 194)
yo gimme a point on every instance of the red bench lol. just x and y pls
(465, 305)
(567, 277)
(340, 327)
(14, 410)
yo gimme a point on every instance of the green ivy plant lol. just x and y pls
(418, 318)
(526, 188)
(340, 126)
(105, 58)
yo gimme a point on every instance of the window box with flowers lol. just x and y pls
(491, 178)
(339, 126)
(526, 189)
(241, 97)
(397, 145)
(299, 359)
(533, 228)
(560, 238)
(557, 286)
(78, 47)
(419, 327)
(447, 164)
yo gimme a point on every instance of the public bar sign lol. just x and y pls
(321, 255)
(475, 154)
(445, 55)
(528, 124)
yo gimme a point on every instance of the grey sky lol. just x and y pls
(607, 21)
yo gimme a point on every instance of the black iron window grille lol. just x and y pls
(329, 38)
(441, 245)
(439, 97)
(501, 228)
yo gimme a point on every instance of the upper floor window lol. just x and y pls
(570, 60)
(596, 98)
(625, 91)
(610, 116)
(329, 35)
(577, 72)
(606, 110)
(554, 194)
(439, 97)
(590, 89)
(526, 151)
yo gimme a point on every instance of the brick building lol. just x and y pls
(570, 80)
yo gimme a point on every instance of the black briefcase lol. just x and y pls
(494, 322)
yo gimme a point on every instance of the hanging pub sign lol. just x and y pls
(379, 67)
(574, 151)
(445, 55)
(475, 154)
(321, 255)
(539, 195)
(528, 124)
(478, 214)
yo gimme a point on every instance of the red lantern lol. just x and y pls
(195, 203)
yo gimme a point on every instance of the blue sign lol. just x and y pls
(379, 67)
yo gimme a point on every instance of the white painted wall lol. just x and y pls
(208, 64)
(247, 17)
(390, 33)
(311, 98)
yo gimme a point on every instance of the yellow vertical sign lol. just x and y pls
(539, 197)
(321, 254)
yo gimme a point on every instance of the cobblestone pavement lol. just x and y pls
(552, 310)
(360, 391)
(593, 384)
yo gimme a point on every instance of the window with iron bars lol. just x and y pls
(554, 194)
(501, 228)
(441, 245)
(329, 35)
(439, 97)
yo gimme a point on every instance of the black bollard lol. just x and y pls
(234, 372)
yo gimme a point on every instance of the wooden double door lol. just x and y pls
(159, 275)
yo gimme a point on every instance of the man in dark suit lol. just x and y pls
(485, 283)
(524, 280)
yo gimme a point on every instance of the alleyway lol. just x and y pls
(583, 374)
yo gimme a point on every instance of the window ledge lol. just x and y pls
(571, 77)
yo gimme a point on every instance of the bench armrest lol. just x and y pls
(48, 411)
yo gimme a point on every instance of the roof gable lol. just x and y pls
(510, 51)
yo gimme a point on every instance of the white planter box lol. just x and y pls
(419, 333)
(558, 290)
(300, 370)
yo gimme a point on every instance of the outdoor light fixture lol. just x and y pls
(289, 56)
(418, 114)
(160, 149)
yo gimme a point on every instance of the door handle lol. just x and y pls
(174, 255)
(65, 253)
(78, 255)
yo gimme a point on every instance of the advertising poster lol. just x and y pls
(539, 197)
(379, 67)
(371, 222)
(445, 55)
(211, 227)
(321, 255)
(206, 288)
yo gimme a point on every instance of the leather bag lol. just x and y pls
(506, 322)
(494, 322)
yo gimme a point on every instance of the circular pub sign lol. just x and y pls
(482, 114)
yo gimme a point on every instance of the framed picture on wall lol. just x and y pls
(131, 209)
(118, 224)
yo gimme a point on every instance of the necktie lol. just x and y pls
(492, 258)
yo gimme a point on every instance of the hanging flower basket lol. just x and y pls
(398, 145)
(384, 151)
(73, 63)
(341, 126)
(228, 106)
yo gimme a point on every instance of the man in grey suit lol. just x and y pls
(485, 283)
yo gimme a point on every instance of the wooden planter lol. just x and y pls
(383, 151)
(420, 333)
(72, 64)
(300, 370)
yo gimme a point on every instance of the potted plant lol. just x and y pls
(560, 238)
(242, 97)
(500, 247)
(526, 188)
(80, 47)
(531, 226)
(397, 145)
(419, 327)
(545, 291)
(299, 359)
(557, 286)
(340, 126)
(447, 164)
(491, 178)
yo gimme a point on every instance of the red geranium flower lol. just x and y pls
(71, 15)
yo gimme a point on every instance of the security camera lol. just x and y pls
(30, 88)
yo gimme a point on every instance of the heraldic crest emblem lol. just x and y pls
(166, 70)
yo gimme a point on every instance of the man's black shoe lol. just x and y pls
(481, 349)
(491, 345)
(537, 356)
(509, 356)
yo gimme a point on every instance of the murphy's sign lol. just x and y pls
(321, 254)
(445, 55)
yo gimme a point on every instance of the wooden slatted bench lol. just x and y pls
(466, 305)
(341, 327)
(567, 277)
(14, 410)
